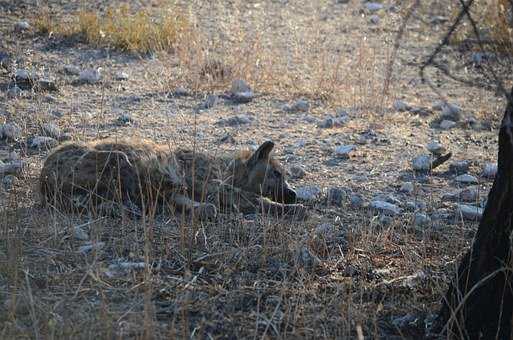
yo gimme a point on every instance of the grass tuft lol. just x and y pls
(121, 28)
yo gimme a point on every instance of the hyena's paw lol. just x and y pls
(206, 211)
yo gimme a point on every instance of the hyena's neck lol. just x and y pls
(234, 171)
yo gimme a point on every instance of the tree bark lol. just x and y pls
(479, 301)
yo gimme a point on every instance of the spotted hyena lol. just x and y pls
(144, 177)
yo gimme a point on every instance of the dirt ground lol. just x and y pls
(347, 271)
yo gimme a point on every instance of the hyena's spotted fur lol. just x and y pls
(145, 175)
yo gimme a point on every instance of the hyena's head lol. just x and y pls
(265, 176)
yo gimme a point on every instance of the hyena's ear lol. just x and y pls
(262, 153)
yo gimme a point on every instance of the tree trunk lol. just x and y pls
(479, 301)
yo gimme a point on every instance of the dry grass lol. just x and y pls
(120, 28)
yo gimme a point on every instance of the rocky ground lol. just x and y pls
(384, 232)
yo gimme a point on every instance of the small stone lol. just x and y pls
(308, 193)
(242, 97)
(422, 220)
(8, 182)
(333, 122)
(447, 124)
(373, 6)
(442, 215)
(374, 19)
(385, 208)
(469, 212)
(80, 234)
(121, 76)
(14, 92)
(10, 131)
(90, 247)
(123, 268)
(124, 118)
(299, 106)
(451, 112)
(90, 76)
(436, 148)
(336, 196)
(490, 170)
(14, 168)
(459, 167)
(357, 200)
(43, 142)
(407, 188)
(51, 130)
(401, 106)
(181, 92)
(209, 102)
(343, 151)
(466, 179)
(438, 105)
(297, 171)
(235, 120)
(422, 163)
(22, 75)
(72, 70)
(415, 205)
(21, 26)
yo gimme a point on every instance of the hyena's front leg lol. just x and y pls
(229, 198)
(202, 210)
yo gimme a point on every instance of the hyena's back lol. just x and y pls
(118, 171)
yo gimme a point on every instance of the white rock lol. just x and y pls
(297, 171)
(451, 112)
(21, 26)
(90, 76)
(466, 179)
(407, 187)
(308, 193)
(401, 106)
(421, 163)
(120, 75)
(447, 124)
(344, 150)
(490, 170)
(435, 148)
(373, 6)
(385, 208)
(469, 212)
(374, 19)
(43, 142)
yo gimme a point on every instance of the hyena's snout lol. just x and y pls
(287, 195)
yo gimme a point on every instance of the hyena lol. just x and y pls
(144, 175)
